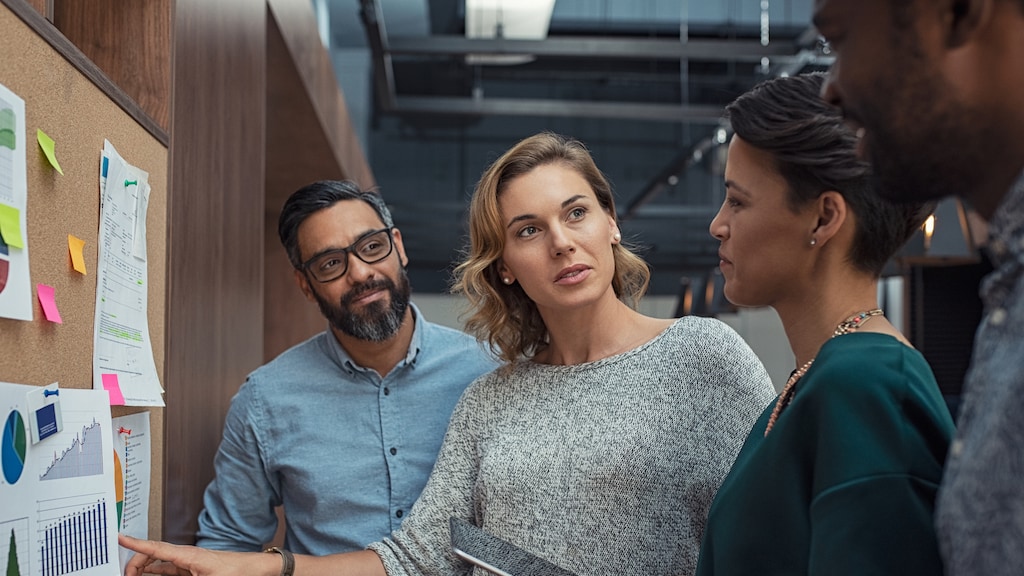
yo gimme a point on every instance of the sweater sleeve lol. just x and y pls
(733, 390)
(733, 383)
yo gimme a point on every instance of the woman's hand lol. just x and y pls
(162, 558)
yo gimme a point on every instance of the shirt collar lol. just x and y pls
(1007, 225)
(416, 343)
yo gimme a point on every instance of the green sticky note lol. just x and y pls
(46, 143)
(10, 226)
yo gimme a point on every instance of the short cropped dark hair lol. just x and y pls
(315, 197)
(815, 151)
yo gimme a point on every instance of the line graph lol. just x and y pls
(83, 458)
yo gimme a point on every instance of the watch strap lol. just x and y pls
(287, 560)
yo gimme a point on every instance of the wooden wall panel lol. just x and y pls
(44, 7)
(138, 62)
(215, 237)
(309, 137)
(296, 25)
(298, 152)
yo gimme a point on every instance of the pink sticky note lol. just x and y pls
(113, 388)
(48, 303)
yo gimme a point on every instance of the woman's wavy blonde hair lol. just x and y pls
(504, 316)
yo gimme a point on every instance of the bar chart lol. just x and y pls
(72, 534)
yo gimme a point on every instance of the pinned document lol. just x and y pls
(122, 348)
(15, 286)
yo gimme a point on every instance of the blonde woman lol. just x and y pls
(601, 443)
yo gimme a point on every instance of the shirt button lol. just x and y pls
(394, 451)
(998, 247)
(398, 514)
(997, 317)
(387, 391)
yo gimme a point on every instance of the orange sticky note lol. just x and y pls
(113, 388)
(49, 305)
(47, 144)
(75, 246)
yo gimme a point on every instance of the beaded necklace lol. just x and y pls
(789, 390)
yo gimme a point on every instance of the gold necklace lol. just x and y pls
(851, 324)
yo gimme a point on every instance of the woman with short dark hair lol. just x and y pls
(840, 475)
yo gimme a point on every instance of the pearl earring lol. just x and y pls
(617, 237)
(814, 241)
(506, 280)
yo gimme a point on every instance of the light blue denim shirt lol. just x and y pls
(980, 510)
(345, 451)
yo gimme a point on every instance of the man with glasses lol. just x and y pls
(341, 430)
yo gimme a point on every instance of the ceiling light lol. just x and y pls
(515, 19)
(507, 19)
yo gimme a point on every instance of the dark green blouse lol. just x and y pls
(845, 482)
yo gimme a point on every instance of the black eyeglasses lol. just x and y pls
(371, 248)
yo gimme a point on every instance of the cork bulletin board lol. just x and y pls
(78, 115)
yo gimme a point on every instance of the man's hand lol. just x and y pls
(162, 558)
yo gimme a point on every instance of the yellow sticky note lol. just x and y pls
(10, 225)
(46, 143)
(75, 246)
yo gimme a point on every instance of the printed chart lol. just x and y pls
(12, 447)
(14, 551)
(132, 465)
(57, 500)
(15, 287)
(84, 457)
(72, 534)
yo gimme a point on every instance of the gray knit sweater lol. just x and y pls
(604, 468)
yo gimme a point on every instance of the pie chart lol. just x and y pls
(12, 447)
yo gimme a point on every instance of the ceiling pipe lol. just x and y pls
(376, 36)
(669, 175)
(388, 101)
(555, 108)
(594, 48)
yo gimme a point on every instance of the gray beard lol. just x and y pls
(378, 321)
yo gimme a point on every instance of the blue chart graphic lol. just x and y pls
(12, 447)
(83, 458)
(74, 539)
